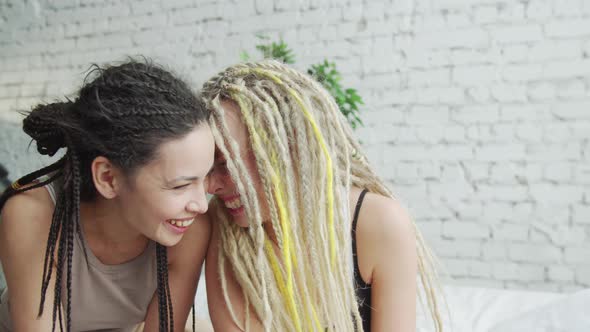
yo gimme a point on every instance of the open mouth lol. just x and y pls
(181, 222)
(180, 225)
(234, 205)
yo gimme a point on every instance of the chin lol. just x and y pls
(170, 242)
(167, 240)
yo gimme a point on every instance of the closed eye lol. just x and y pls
(181, 186)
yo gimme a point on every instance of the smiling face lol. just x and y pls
(166, 195)
(220, 182)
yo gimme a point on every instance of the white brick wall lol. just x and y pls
(482, 107)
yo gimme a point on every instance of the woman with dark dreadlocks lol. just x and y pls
(93, 241)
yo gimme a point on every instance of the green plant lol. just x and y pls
(273, 50)
(325, 72)
(348, 100)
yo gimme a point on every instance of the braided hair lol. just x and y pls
(124, 113)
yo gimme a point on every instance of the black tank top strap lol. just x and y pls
(357, 210)
(363, 290)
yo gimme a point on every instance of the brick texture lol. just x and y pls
(477, 112)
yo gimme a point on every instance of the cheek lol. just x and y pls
(133, 203)
(227, 182)
(166, 207)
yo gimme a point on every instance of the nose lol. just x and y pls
(199, 203)
(214, 183)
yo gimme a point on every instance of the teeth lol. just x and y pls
(181, 223)
(234, 203)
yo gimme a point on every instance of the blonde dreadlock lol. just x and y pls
(306, 155)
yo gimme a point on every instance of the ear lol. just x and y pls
(106, 177)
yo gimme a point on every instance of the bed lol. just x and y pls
(475, 309)
(478, 309)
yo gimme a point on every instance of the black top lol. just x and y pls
(363, 290)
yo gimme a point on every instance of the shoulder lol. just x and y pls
(384, 232)
(214, 246)
(26, 219)
(388, 248)
(221, 285)
(384, 218)
(193, 246)
(24, 229)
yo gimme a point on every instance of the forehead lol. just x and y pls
(188, 155)
(235, 124)
(200, 138)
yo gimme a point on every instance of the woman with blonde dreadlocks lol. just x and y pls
(305, 237)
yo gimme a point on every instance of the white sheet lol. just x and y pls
(201, 309)
(568, 314)
(476, 309)
(473, 309)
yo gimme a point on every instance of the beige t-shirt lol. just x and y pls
(104, 297)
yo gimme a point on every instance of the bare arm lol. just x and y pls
(26, 219)
(388, 247)
(184, 269)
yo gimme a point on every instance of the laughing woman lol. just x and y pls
(93, 241)
(305, 236)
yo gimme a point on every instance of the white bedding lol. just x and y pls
(201, 309)
(568, 314)
(472, 309)
(476, 309)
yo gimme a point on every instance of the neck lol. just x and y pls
(102, 219)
